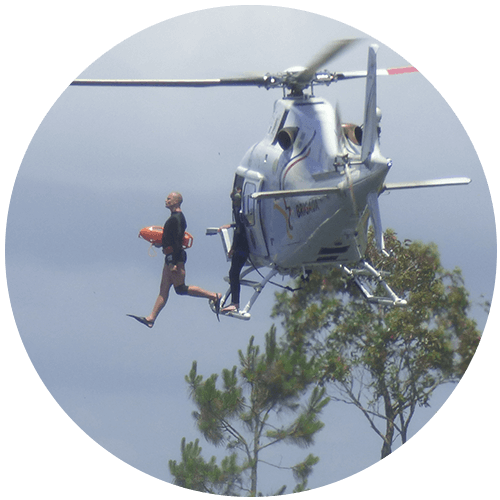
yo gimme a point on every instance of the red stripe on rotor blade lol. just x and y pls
(399, 71)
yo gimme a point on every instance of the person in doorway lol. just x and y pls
(239, 253)
(174, 272)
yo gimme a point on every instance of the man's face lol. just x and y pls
(171, 201)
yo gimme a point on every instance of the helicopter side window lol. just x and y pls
(238, 181)
(249, 203)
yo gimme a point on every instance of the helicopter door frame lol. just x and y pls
(250, 207)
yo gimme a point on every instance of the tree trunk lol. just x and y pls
(255, 458)
(389, 429)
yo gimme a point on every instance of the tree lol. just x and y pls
(246, 416)
(386, 361)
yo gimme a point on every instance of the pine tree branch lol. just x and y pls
(240, 439)
(274, 465)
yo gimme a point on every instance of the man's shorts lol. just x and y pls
(182, 257)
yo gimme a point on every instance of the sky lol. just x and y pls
(94, 166)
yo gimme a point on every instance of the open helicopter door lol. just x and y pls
(250, 209)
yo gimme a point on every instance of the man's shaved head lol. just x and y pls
(173, 201)
(177, 197)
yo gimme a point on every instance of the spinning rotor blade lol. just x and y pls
(374, 208)
(349, 75)
(451, 181)
(339, 134)
(324, 57)
(370, 122)
(296, 81)
(259, 81)
(300, 80)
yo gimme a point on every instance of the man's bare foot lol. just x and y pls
(230, 308)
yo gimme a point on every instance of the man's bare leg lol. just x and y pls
(161, 300)
(196, 291)
(175, 275)
(178, 274)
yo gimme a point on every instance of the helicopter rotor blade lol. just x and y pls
(295, 81)
(333, 50)
(450, 181)
(350, 75)
(370, 121)
(339, 134)
(259, 81)
(376, 219)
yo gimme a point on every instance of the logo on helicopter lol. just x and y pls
(307, 207)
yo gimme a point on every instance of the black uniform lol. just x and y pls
(240, 255)
(173, 233)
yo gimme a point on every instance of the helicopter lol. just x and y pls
(310, 187)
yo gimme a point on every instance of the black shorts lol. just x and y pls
(181, 258)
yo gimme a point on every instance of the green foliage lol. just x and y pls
(385, 360)
(246, 416)
(196, 474)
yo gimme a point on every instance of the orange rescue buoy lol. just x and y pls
(154, 234)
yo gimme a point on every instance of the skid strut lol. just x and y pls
(258, 286)
(367, 278)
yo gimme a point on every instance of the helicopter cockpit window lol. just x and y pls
(248, 207)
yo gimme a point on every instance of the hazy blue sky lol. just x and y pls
(98, 169)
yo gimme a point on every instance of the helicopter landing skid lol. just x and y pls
(258, 286)
(237, 314)
(367, 278)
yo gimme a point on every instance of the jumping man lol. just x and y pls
(174, 272)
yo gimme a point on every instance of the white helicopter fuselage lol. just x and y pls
(305, 148)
